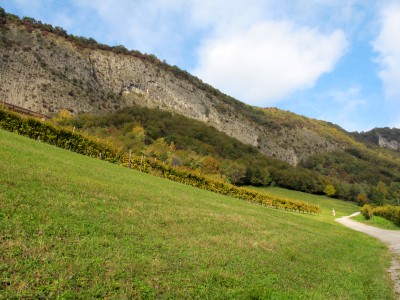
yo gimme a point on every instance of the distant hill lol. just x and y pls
(383, 137)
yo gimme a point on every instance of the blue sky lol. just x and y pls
(337, 61)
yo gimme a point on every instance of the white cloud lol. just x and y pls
(388, 45)
(268, 61)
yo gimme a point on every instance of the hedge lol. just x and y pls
(389, 212)
(72, 141)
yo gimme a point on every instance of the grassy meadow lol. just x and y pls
(326, 204)
(72, 227)
(377, 221)
(342, 208)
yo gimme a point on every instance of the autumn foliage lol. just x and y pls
(75, 142)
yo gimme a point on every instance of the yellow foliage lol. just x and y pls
(362, 198)
(64, 115)
(139, 132)
(329, 190)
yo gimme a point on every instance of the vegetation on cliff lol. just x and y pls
(374, 137)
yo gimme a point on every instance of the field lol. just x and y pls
(327, 204)
(377, 222)
(75, 227)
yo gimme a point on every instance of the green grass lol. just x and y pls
(110, 232)
(377, 222)
(342, 208)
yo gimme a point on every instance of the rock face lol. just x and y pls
(383, 137)
(46, 73)
(386, 143)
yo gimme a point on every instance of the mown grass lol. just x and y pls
(74, 227)
(326, 204)
(377, 222)
(342, 208)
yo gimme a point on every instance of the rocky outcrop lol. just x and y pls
(383, 137)
(46, 73)
(386, 143)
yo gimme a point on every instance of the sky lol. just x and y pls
(337, 61)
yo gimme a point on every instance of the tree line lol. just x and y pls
(76, 142)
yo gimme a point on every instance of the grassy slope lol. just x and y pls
(341, 207)
(327, 204)
(111, 232)
(377, 222)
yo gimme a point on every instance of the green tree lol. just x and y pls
(329, 190)
(234, 171)
(382, 187)
(394, 193)
(159, 149)
(2, 13)
(378, 194)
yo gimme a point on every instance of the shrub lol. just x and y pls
(366, 211)
(75, 142)
(389, 212)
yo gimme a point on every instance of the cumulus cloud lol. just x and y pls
(387, 44)
(269, 60)
(246, 48)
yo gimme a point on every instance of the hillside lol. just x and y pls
(45, 69)
(190, 144)
(76, 227)
(381, 137)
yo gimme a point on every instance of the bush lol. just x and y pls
(389, 212)
(75, 142)
(367, 211)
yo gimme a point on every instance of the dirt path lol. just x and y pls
(390, 237)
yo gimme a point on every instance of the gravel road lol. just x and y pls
(390, 237)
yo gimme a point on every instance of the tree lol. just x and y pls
(362, 199)
(394, 193)
(2, 13)
(210, 165)
(64, 116)
(378, 194)
(329, 190)
(354, 191)
(267, 178)
(234, 171)
(159, 149)
(382, 188)
(139, 132)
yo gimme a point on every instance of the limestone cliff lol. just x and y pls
(46, 73)
(386, 143)
(383, 137)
